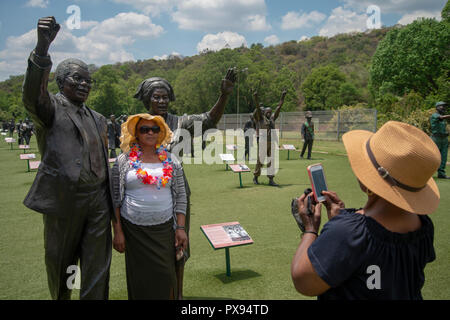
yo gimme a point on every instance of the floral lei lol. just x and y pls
(135, 162)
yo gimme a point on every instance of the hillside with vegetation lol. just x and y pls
(401, 71)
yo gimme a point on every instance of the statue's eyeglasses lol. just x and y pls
(78, 80)
(146, 129)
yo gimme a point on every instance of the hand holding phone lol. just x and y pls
(318, 182)
(333, 204)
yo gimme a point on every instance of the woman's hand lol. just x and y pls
(181, 239)
(310, 221)
(119, 241)
(332, 203)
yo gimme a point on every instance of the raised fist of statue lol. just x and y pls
(228, 83)
(47, 30)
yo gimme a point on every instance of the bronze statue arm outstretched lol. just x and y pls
(278, 109)
(226, 89)
(257, 115)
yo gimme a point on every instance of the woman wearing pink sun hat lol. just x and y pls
(379, 251)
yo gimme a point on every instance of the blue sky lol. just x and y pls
(122, 30)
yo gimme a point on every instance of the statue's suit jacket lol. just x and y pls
(59, 136)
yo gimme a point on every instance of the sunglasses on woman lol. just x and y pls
(146, 129)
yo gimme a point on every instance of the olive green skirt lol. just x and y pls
(150, 260)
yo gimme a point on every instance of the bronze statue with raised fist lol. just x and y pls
(72, 186)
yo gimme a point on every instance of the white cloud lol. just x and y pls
(297, 20)
(208, 15)
(396, 6)
(303, 38)
(37, 3)
(410, 10)
(410, 17)
(343, 21)
(221, 15)
(272, 40)
(166, 57)
(150, 7)
(105, 42)
(257, 23)
(216, 42)
(88, 24)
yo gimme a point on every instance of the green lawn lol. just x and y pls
(258, 271)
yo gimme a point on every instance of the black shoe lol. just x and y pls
(255, 180)
(272, 183)
(443, 177)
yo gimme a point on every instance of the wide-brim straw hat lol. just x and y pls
(128, 136)
(396, 163)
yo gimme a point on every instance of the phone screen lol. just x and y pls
(319, 183)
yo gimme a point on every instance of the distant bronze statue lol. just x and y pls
(250, 124)
(26, 131)
(12, 126)
(19, 132)
(156, 94)
(72, 187)
(265, 120)
(307, 132)
(113, 136)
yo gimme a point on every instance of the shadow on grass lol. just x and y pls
(237, 276)
(312, 159)
(280, 185)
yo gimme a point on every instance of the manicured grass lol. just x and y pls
(258, 271)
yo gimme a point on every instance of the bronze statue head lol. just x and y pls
(155, 93)
(74, 80)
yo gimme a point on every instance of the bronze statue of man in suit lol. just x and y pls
(72, 186)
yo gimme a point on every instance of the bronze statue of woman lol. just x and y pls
(156, 94)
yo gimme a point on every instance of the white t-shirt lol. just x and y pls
(144, 204)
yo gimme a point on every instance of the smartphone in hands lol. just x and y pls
(318, 182)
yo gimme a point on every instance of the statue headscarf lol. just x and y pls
(146, 88)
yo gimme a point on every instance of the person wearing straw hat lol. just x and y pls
(156, 94)
(379, 251)
(307, 132)
(439, 134)
(150, 200)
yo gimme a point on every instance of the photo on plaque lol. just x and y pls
(239, 168)
(224, 235)
(236, 232)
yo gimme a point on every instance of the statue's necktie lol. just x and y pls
(90, 136)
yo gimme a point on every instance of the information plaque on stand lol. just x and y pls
(289, 147)
(225, 236)
(239, 168)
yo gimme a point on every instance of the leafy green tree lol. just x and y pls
(105, 96)
(321, 89)
(348, 94)
(445, 14)
(411, 58)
